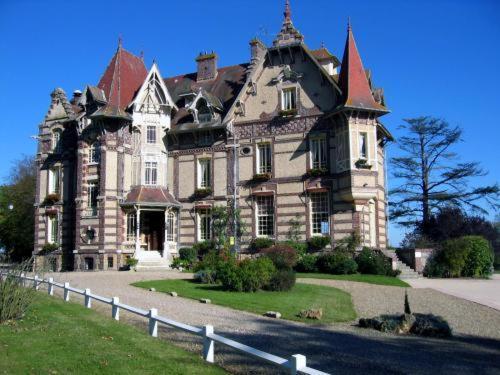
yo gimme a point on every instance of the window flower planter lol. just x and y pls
(51, 199)
(202, 192)
(317, 172)
(262, 176)
(363, 164)
(288, 112)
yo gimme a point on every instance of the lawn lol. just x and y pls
(370, 279)
(336, 304)
(60, 338)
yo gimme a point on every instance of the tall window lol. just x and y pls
(320, 223)
(95, 152)
(170, 226)
(151, 173)
(56, 140)
(264, 158)
(373, 224)
(53, 224)
(92, 193)
(151, 134)
(54, 181)
(204, 114)
(204, 137)
(204, 225)
(289, 99)
(265, 216)
(131, 226)
(203, 173)
(363, 146)
(318, 152)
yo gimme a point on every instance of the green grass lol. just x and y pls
(61, 338)
(336, 304)
(370, 279)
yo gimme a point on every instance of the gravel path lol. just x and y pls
(332, 348)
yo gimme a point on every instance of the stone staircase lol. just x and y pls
(151, 261)
(406, 271)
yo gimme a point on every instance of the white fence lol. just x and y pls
(296, 364)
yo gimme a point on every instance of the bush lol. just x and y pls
(247, 276)
(281, 281)
(299, 247)
(307, 263)
(479, 261)
(373, 263)
(188, 254)
(131, 262)
(208, 276)
(203, 248)
(260, 243)
(179, 263)
(48, 248)
(282, 256)
(338, 263)
(317, 243)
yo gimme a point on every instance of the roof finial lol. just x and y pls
(288, 12)
(322, 44)
(120, 41)
(348, 23)
(141, 55)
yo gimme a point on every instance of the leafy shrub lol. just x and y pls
(203, 248)
(338, 263)
(260, 243)
(48, 248)
(349, 244)
(307, 263)
(247, 276)
(479, 262)
(372, 262)
(179, 263)
(299, 247)
(131, 262)
(281, 281)
(188, 254)
(282, 256)
(15, 299)
(207, 276)
(317, 243)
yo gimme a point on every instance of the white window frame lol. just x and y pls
(56, 140)
(53, 229)
(150, 173)
(204, 173)
(264, 158)
(319, 212)
(151, 131)
(170, 226)
(204, 225)
(318, 145)
(55, 180)
(363, 146)
(289, 98)
(92, 194)
(131, 226)
(265, 216)
(94, 153)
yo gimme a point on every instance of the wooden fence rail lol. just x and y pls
(295, 364)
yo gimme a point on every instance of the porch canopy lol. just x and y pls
(150, 196)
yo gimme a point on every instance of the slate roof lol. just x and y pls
(353, 79)
(150, 196)
(224, 88)
(322, 53)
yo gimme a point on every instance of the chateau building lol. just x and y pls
(133, 166)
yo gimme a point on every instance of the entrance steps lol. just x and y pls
(151, 261)
(406, 271)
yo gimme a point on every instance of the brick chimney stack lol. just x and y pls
(257, 49)
(207, 66)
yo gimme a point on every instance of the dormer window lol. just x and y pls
(289, 99)
(95, 153)
(204, 114)
(56, 140)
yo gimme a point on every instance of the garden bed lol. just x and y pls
(370, 279)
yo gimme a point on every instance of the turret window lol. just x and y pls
(151, 134)
(363, 146)
(151, 176)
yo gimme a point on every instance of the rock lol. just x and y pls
(152, 289)
(273, 314)
(205, 300)
(173, 294)
(316, 314)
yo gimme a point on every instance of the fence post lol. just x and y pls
(66, 291)
(23, 281)
(208, 344)
(297, 363)
(88, 301)
(115, 310)
(153, 323)
(50, 288)
(35, 282)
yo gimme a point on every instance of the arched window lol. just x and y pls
(95, 152)
(204, 114)
(56, 140)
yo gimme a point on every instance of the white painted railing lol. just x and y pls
(296, 364)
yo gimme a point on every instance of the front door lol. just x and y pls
(152, 230)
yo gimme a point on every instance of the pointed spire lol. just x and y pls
(120, 41)
(288, 33)
(287, 13)
(353, 81)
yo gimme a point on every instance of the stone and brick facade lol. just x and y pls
(133, 166)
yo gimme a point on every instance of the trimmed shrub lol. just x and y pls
(247, 276)
(337, 263)
(260, 243)
(281, 281)
(373, 262)
(307, 263)
(479, 260)
(203, 248)
(189, 254)
(317, 243)
(282, 256)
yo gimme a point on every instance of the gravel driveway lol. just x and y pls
(333, 348)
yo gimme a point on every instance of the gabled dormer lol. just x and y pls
(205, 107)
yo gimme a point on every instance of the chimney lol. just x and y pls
(77, 94)
(207, 66)
(257, 49)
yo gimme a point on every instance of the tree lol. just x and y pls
(17, 213)
(432, 176)
(222, 226)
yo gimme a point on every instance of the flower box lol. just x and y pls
(202, 192)
(262, 176)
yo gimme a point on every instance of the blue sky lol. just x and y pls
(438, 58)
